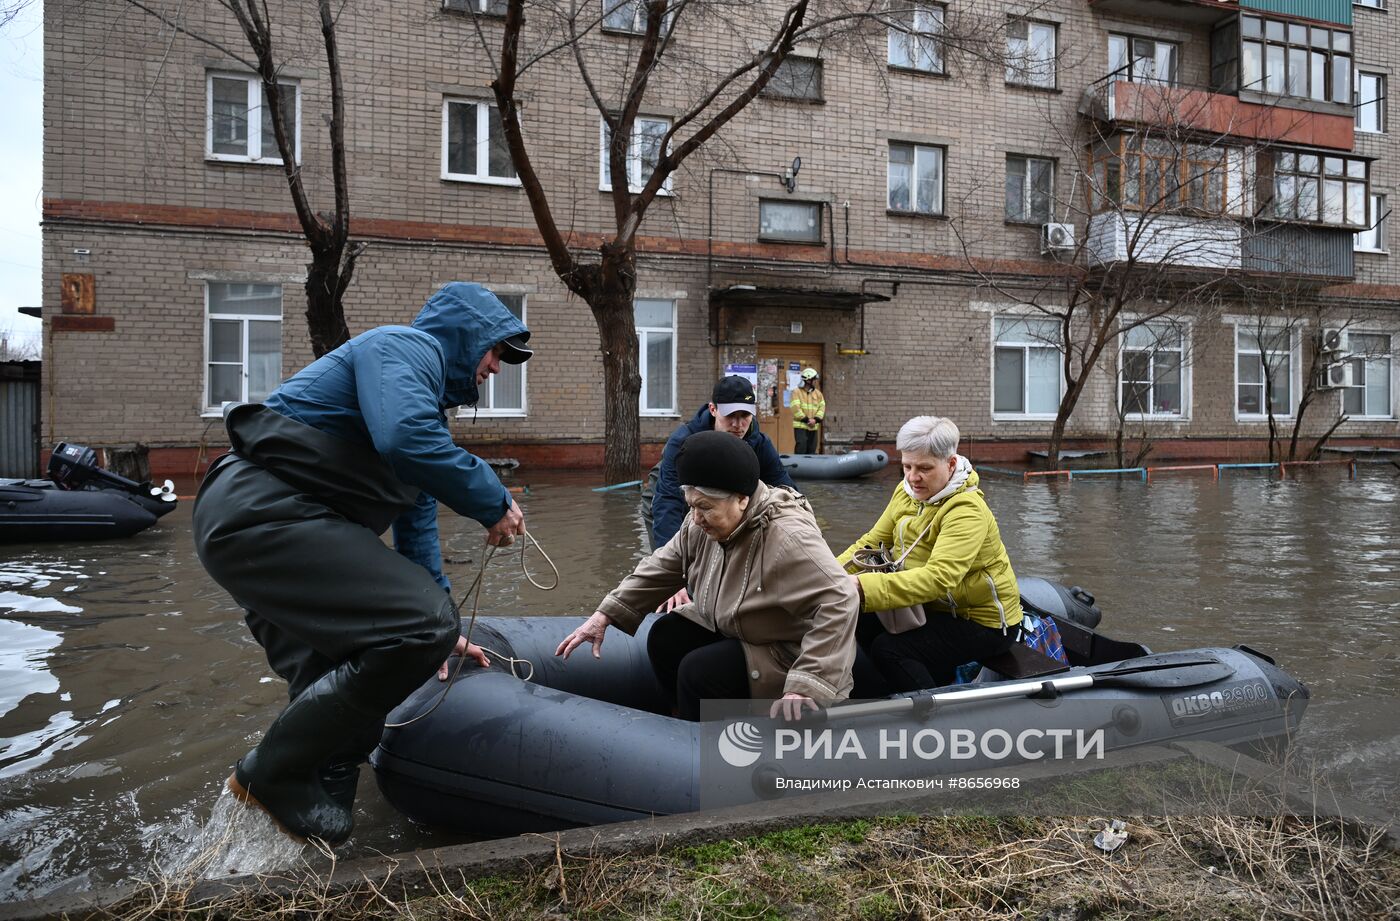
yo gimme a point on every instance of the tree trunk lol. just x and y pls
(1067, 405)
(325, 315)
(611, 304)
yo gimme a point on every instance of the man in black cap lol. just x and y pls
(731, 410)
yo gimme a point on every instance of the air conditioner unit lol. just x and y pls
(1056, 238)
(1340, 374)
(1329, 339)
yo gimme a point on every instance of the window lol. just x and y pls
(796, 221)
(504, 392)
(916, 179)
(643, 153)
(489, 7)
(1151, 370)
(1312, 187)
(656, 335)
(1026, 367)
(1030, 185)
(1369, 393)
(242, 342)
(628, 16)
(1372, 239)
(1294, 59)
(1142, 60)
(1158, 175)
(474, 143)
(1030, 53)
(240, 123)
(916, 43)
(1254, 348)
(1370, 102)
(796, 78)
(1373, 4)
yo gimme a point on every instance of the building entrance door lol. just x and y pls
(780, 367)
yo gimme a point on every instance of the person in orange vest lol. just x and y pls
(808, 410)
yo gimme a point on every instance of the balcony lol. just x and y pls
(1198, 12)
(1300, 250)
(1186, 241)
(1209, 12)
(1216, 114)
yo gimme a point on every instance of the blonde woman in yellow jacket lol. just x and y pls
(945, 561)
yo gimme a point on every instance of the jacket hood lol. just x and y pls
(768, 504)
(964, 479)
(466, 320)
(704, 421)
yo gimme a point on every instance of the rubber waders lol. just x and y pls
(282, 774)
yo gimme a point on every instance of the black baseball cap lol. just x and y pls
(734, 394)
(514, 350)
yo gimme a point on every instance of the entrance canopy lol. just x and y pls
(769, 296)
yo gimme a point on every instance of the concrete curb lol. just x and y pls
(410, 875)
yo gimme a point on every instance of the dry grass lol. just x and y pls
(889, 868)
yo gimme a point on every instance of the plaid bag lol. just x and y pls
(1038, 632)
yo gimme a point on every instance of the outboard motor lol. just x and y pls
(75, 467)
(1041, 596)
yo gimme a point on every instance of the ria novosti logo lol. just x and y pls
(741, 744)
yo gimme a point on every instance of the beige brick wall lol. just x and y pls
(125, 118)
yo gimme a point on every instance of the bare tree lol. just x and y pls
(10, 9)
(18, 346)
(639, 168)
(327, 234)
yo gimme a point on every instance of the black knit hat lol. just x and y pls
(718, 460)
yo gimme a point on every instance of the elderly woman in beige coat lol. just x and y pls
(772, 614)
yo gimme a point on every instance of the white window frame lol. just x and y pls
(481, 7)
(1019, 74)
(1379, 102)
(483, 148)
(1184, 327)
(243, 319)
(999, 416)
(1252, 327)
(923, 41)
(1390, 359)
(942, 153)
(256, 141)
(487, 397)
(635, 180)
(1373, 237)
(1370, 4)
(639, 18)
(1127, 71)
(1026, 188)
(642, 332)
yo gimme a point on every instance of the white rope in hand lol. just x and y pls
(475, 591)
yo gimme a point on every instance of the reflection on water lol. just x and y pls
(129, 686)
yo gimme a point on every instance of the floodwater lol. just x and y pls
(129, 685)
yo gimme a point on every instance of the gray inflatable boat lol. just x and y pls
(582, 743)
(834, 466)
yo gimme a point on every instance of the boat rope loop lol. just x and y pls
(474, 590)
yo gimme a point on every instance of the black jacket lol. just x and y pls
(668, 507)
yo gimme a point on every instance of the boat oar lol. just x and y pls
(1163, 672)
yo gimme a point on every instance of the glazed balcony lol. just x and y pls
(1216, 115)
(1209, 12)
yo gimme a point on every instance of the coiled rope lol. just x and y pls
(475, 591)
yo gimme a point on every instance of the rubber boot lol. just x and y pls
(282, 774)
(342, 774)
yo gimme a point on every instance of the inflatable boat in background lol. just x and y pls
(79, 501)
(582, 742)
(834, 466)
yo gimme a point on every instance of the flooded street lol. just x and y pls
(129, 685)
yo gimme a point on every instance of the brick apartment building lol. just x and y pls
(900, 263)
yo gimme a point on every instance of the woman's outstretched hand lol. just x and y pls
(590, 631)
(790, 707)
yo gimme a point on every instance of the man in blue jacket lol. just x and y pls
(731, 409)
(289, 523)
